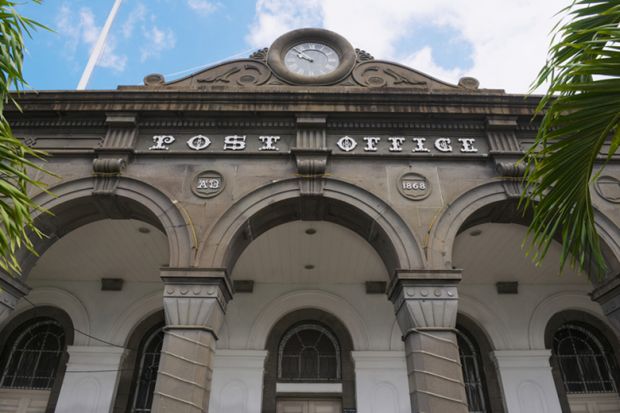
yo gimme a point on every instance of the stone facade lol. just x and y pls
(405, 162)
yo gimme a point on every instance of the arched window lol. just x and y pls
(32, 355)
(584, 361)
(146, 376)
(309, 352)
(472, 373)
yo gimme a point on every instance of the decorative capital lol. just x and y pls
(425, 303)
(195, 298)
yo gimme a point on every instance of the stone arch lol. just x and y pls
(593, 323)
(342, 203)
(65, 301)
(479, 335)
(26, 316)
(453, 218)
(73, 204)
(486, 320)
(308, 299)
(556, 303)
(325, 319)
(127, 321)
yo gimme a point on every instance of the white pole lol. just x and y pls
(99, 47)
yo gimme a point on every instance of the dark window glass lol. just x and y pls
(583, 361)
(309, 352)
(32, 358)
(472, 373)
(147, 372)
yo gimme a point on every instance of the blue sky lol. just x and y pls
(502, 43)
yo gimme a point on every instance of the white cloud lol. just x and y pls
(137, 15)
(203, 7)
(158, 40)
(508, 38)
(423, 61)
(79, 28)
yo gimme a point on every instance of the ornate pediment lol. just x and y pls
(309, 58)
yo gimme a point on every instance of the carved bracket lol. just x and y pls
(311, 154)
(106, 173)
(512, 174)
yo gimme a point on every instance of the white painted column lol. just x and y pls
(90, 381)
(527, 381)
(237, 381)
(381, 384)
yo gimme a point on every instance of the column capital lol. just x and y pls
(11, 290)
(425, 299)
(195, 298)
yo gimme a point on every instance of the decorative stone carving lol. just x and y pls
(502, 137)
(512, 174)
(469, 83)
(426, 307)
(311, 154)
(240, 73)
(378, 74)
(608, 188)
(154, 79)
(106, 173)
(260, 54)
(363, 55)
(195, 298)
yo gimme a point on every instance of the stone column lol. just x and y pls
(608, 296)
(426, 307)
(194, 304)
(11, 290)
(90, 380)
(527, 381)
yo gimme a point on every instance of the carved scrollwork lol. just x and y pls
(376, 74)
(108, 166)
(260, 54)
(240, 73)
(363, 55)
(510, 169)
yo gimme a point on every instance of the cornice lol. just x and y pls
(315, 99)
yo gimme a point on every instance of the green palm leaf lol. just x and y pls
(581, 113)
(16, 206)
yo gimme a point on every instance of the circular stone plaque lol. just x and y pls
(414, 186)
(208, 184)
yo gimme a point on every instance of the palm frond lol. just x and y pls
(16, 159)
(581, 113)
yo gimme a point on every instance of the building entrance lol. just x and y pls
(309, 406)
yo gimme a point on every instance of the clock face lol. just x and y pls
(311, 59)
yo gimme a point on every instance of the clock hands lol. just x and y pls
(302, 55)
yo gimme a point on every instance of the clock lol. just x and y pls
(311, 59)
(311, 56)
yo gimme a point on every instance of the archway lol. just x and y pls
(72, 204)
(342, 203)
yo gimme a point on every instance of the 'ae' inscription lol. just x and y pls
(208, 184)
(414, 186)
